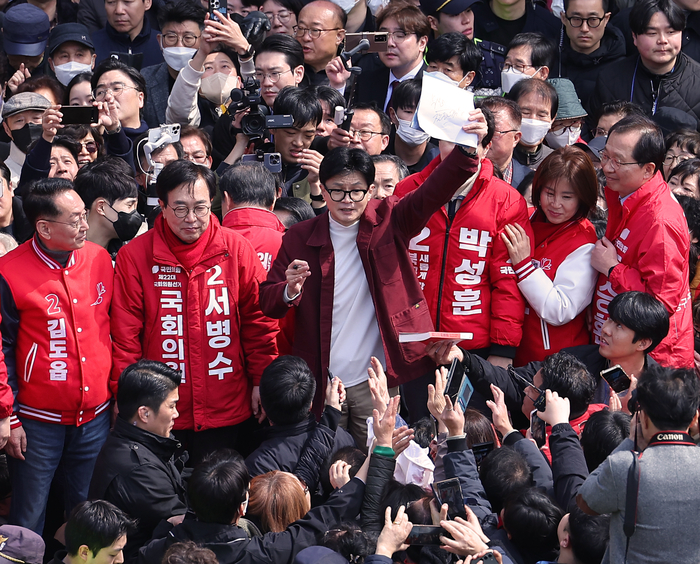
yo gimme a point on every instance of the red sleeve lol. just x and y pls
(410, 183)
(6, 397)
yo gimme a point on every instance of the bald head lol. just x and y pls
(328, 19)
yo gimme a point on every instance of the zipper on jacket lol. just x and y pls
(442, 270)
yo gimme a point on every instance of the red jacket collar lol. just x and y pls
(652, 189)
(253, 217)
(163, 254)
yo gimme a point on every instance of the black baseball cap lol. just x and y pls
(69, 32)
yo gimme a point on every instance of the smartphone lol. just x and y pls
(450, 492)
(377, 41)
(537, 429)
(426, 534)
(481, 450)
(465, 393)
(487, 558)
(220, 6)
(454, 379)
(616, 378)
(130, 59)
(79, 115)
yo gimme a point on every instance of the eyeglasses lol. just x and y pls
(567, 128)
(339, 195)
(283, 16)
(518, 67)
(181, 212)
(591, 22)
(614, 163)
(364, 134)
(171, 39)
(115, 88)
(671, 159)
(313, 33)
(541, 400)
(399, 35)
(502, 133)
(199, 157)
(75, 224)
(89, 146)
(273, 76)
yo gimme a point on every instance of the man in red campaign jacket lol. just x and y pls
(186, 294)
(56, 293)
(646, 243)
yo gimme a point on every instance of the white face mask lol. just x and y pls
(442, 76)
(177, 57)
(510, 78)
(217, 87)
(563, 138)
(533, 131)
(410, 135)
(68, 71)
(346, 5)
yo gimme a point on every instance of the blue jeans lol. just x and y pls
(48, 444)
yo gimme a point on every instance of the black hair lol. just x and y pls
(287, 388)
(543, 51)
(448, 45)
(180, 11)
(97, 525)
(603, 432)
(349, 540)
(231, 54)
(77, 79)
(5, 173)
(383, 117)
(490, 126)
(110, 178)
(286, 45)
(290, 5)
(298, 209)
(401, 167)
(605, 5)
(504, 473)
(685, 169)
(589, 536)
(145, 383)
(111, 64)
(39, 201)
(531, 519)
(643, 314)
(619, 107)
(650, 146)
(406, 94)
(187, 173)
(424, 431)
(568, 376)
(69, 144)
(500, 104)
(643, 10)
(330, 96)
(301, 103)
(352, 455)
(218, 486)
(670, 397)
(686, 139)
(249, 183)
(396, 494)
(194, 131)
(79, 131)
(536, 86)
(343, 160)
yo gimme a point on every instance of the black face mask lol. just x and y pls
(127, 224)
(26, 135)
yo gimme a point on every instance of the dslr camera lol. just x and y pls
(258, 120)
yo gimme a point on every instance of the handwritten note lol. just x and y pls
(443, 110)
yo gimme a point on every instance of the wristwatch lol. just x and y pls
(318, 198)
(248, 53)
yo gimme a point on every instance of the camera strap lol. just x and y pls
(634, 474)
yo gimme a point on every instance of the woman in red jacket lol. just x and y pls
(556, 277)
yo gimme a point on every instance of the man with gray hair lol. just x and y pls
(389, 170)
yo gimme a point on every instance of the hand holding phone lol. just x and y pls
(616, 378)
(449, 492)
(537, 429)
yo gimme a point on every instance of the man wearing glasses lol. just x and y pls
(188, 297)
(645, 247)
(349, 275)
(320, 32)
(59, 357)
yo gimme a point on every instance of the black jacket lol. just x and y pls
(20, 228)
(583, 70)
(569, 466)
(537, 18)
(373, 84)
(629, 80)
(380, 472)
(136, 472)
(231, 544)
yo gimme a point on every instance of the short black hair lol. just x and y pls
(619, 107)
(603, 433)
(287, 388)
(110, 178)
(650, 147)
(111, 64)
(301, 103)
(249, 183)
(383, 117)
(286, 45)
(536, 86)
(504, 473)
(643, 314)
(69, 144)
(343, 160)
(589, 535)
(39, 201)
(643, 10)
(5, 173)
(406, 94)
(531, 519)
(97, 525)
(543, 51)
(187, 173)
(298, 209)
(194, 131)
(350, 541)
(291, 5)
(501, 104)
(568, 376)
(605, 5)
(350, 454)
(77, 79)
(670, 397)
(180, 11)
(686, 139)
(448, 45)
(145, 383)
(330, 96)
(218, 486)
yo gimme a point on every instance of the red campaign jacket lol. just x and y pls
(6, 396)
(206, 323)
(464, 268)
(59, 356)
(386, 227)
(562, 255)
(650, 233)
(577, 425)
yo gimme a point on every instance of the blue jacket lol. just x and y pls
(109, 40)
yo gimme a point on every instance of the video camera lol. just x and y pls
(258, 120)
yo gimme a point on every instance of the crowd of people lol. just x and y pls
(251, 311)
